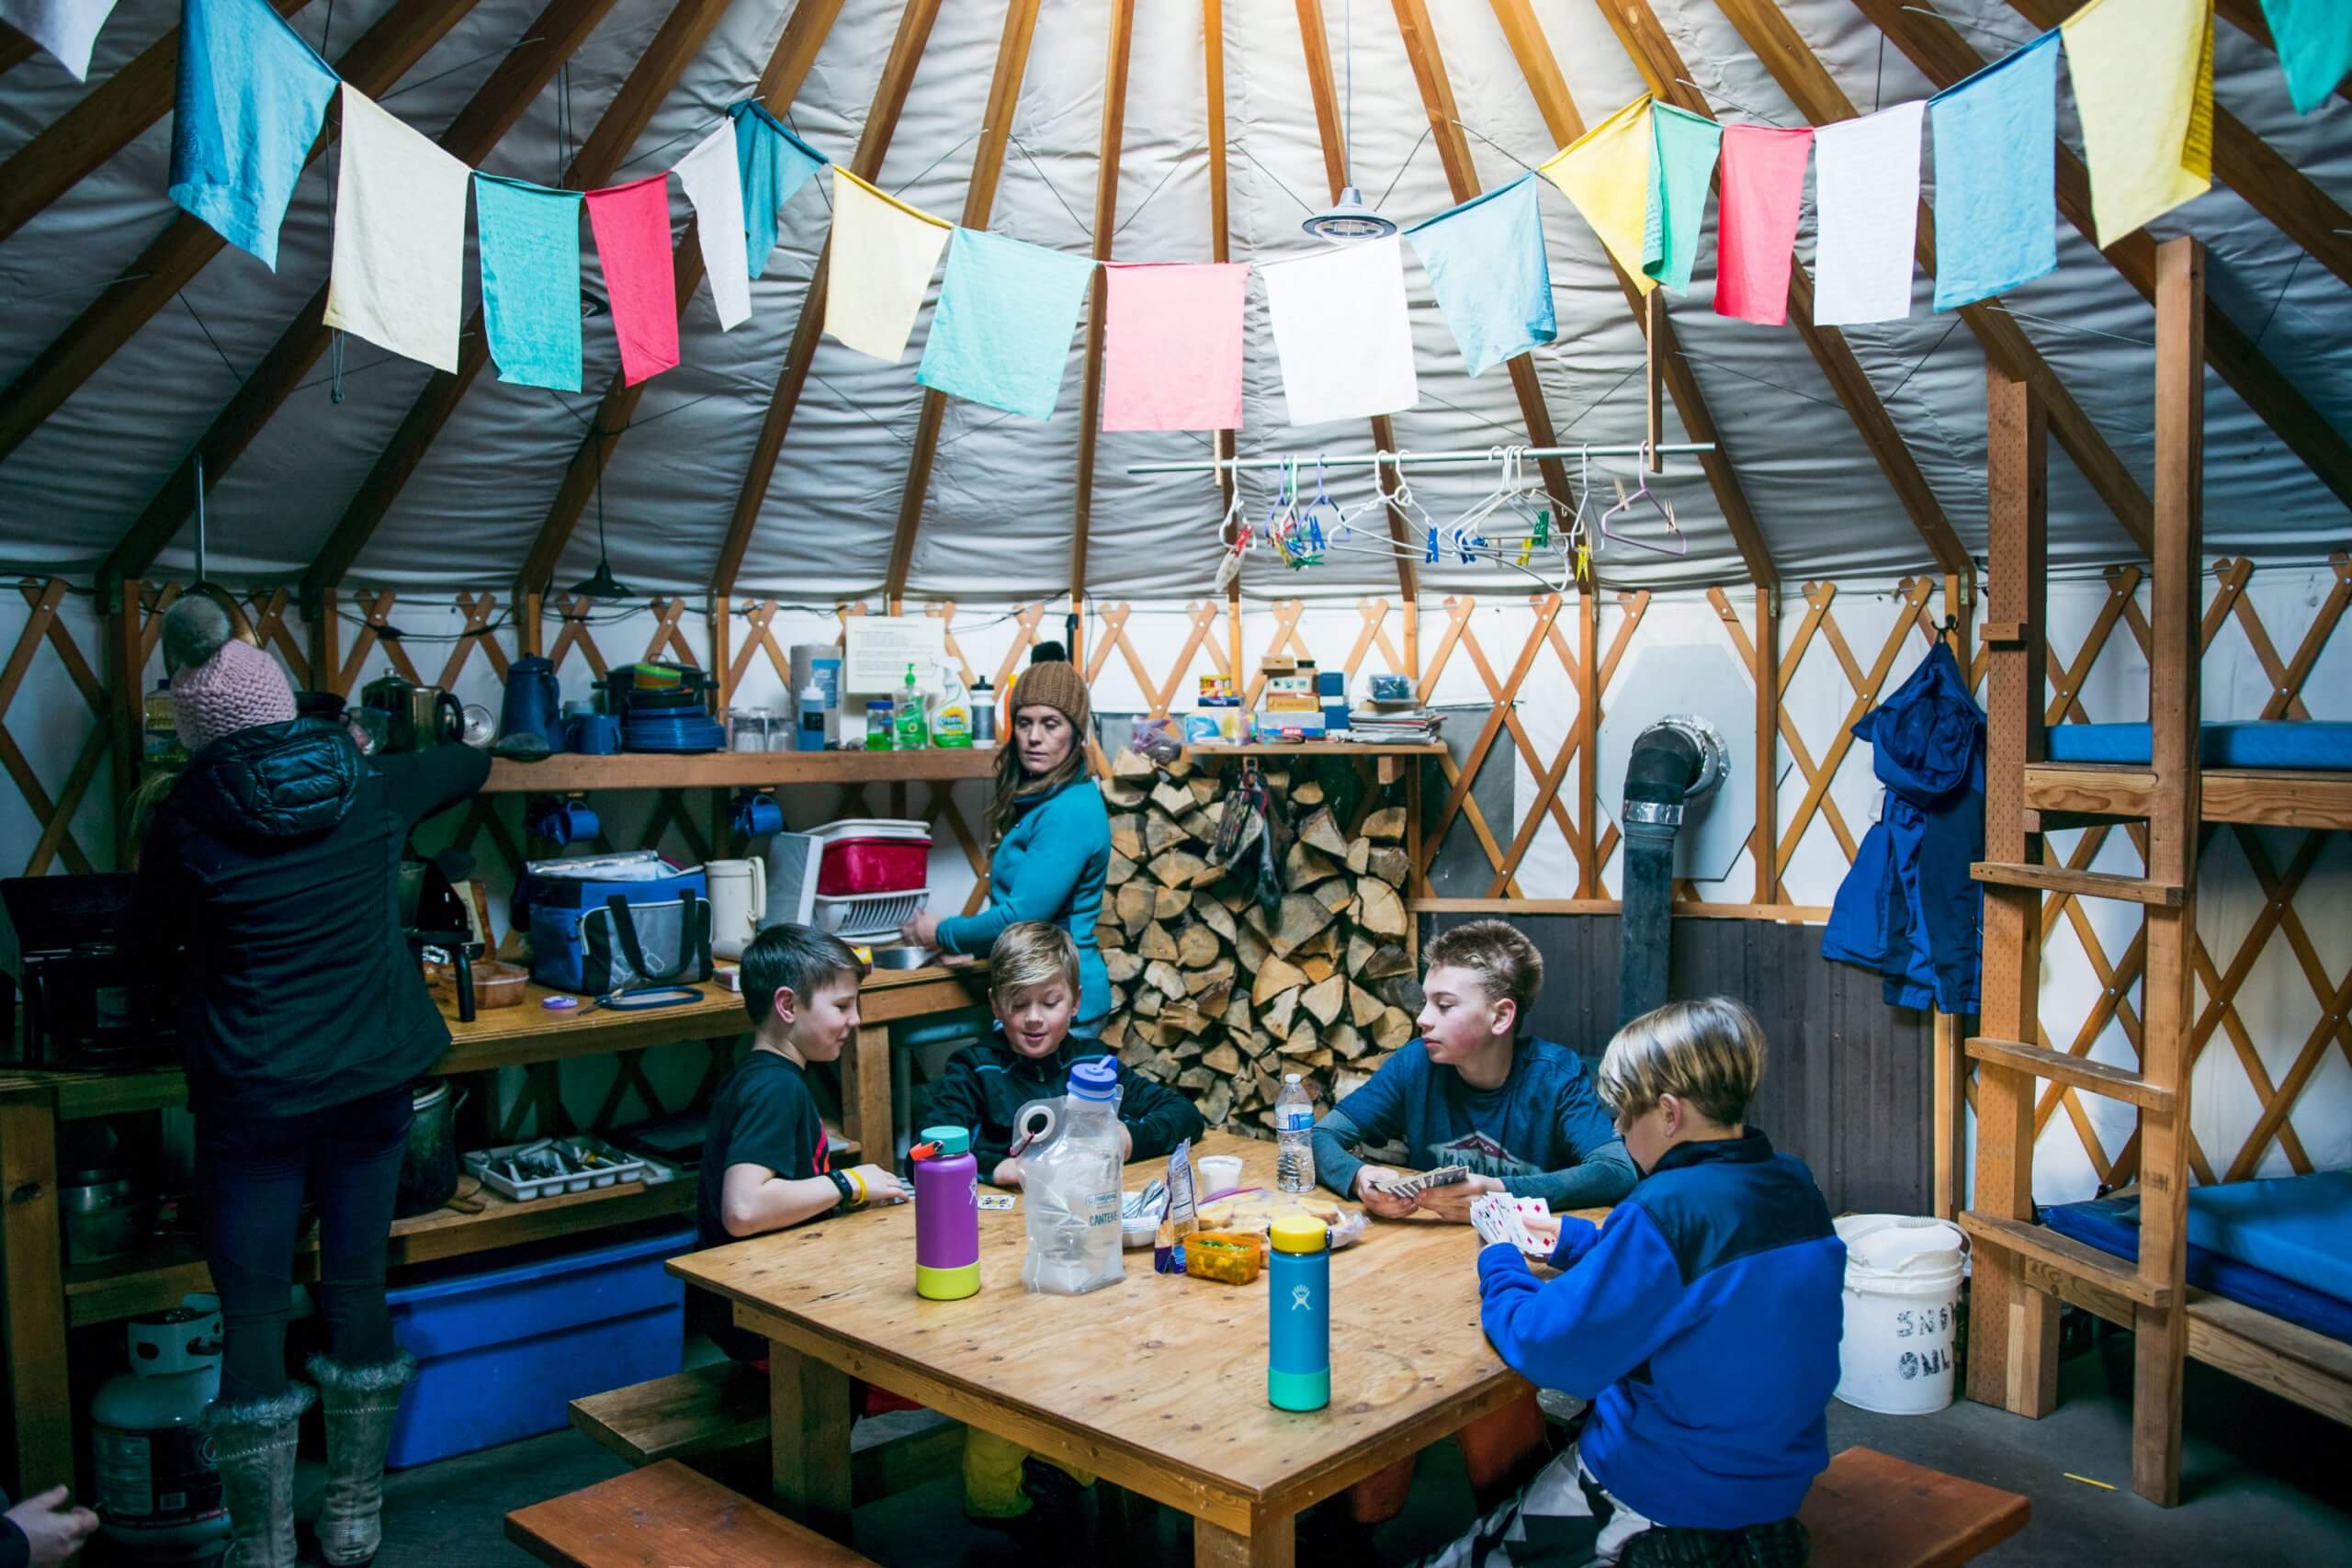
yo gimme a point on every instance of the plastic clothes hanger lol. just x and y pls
(1625, 504)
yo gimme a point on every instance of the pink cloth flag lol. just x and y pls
(631, 224)
(1757, 223)
(1172, 346)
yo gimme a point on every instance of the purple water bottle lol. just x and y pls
(947, 1215)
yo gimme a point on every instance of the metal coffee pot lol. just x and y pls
(415, 716)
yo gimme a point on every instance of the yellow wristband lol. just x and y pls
(859, 1183)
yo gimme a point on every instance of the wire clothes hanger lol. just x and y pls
(1625, 504)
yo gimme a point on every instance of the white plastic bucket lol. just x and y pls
(1902, 1302)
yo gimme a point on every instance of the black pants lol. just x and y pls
(251, 1173)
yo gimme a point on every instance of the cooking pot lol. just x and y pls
(101, 1209)
(429, 1173)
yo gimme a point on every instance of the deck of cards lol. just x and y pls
(1414, 1186)
(1499, 1216)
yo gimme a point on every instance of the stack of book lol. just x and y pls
(1395, 726)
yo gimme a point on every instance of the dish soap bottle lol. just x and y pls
(951, 711)
(911, 733)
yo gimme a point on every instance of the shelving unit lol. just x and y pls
(571, 774)
(2073, 794)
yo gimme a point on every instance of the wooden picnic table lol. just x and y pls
(1157, 1384)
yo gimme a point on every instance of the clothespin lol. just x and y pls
(1584, 564)
(1431, 558)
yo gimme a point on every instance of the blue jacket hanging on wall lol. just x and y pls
(1908, 909)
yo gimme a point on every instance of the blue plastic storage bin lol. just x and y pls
(500, 1355)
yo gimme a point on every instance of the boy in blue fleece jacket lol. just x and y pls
(1701, 1320)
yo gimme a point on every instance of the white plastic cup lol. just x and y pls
(1219, 1173)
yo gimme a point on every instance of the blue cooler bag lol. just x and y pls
(606, 923)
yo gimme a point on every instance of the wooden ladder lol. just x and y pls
(2020, 1268)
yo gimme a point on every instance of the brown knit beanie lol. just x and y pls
(1055, 683)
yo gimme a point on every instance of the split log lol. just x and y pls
(1126, 837)
(1200, 825)
(1306, 865)
(1364, 1008)
(1167, 903)
(1196, 1077)
(1387, 959)
(1122, 967)
(1174, 799)
(1323, 834)
(1237, 1012)
(1164, 977)
(1183, 868)
(1120, 871)
(1136, 1052)
(1324, 943)
(1391, 866)
(1123, 794)
(1182, 1017)
(1346, 1081)
(1156, 943)
(1252, 948)
(1110, 935)
(1392, 1029)
(1347, 1040)
(1326, 999)
(1309, 793)
(1223, 1059)
(1197, 947)
(1217, 1104)
(1300, 917)
(1319, 1059)
(1128, 764)
(1303, 1041)
(1274, 977)
(1215, 916)
(1147, 1002)
(1114, 1031)
(1161, 832)
(1335, 895)
(1278, 1014)
(1387, 825)
(1205, 787)
(1215, 997)
(1133, 904)
(1318, 969)
(1359, 855)
(1172, 1022)
(1219, 972)
(1383, 911)
(1360, 950)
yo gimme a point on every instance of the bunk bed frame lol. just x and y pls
(2022, 1269)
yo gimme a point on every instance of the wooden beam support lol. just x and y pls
(379, 59)
(1106, 213)
(650, 81)
(865, 162)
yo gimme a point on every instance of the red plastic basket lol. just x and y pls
(851, 866)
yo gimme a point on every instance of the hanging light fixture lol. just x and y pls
(1350, 218)
(601, 583)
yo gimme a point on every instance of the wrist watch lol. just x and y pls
(849, 1194)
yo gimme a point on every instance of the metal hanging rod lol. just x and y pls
(1415, 459)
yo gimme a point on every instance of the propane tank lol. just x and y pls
(159, 1494)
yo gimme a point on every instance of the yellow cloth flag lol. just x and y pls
(1606, 172)
(2143, 84)
(883, 253)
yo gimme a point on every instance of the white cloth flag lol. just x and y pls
(715, 185)
(1341, 332)
(67, 29)
(400, 237)
(1866, 182)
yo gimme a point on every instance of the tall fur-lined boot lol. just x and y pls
(359, 1402)
(252, 1443)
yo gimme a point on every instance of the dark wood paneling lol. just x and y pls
(1846, 1088)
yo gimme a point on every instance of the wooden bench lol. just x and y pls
(666, 1515)
(1872, 1510)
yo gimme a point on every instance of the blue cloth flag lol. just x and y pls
(530, 280)
(251, 95)
(775, 164)
(1002, 334)
(1996, 205)
(1487, 269)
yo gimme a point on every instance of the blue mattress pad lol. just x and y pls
(2314, 745)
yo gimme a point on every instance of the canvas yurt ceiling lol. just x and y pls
(998, 519)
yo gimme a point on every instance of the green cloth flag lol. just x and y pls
(2315, 40)
(1682, 163)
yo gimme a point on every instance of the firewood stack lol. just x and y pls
(1212, 993)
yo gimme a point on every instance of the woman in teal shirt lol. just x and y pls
(1053, 836)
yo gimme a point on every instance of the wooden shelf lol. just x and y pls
(2076, 794)
(1318, 749)
(569, 773)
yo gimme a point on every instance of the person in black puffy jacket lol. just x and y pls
(269, 899)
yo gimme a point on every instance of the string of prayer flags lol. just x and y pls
(1487, 270)
(1997, 204)
(882, 258)
(1866, 195)
(1606, 172)
(2314, 41)
(773, 164)
(1341, 332)
(1756, 229)
(250, 100)
(631, 224)
(530, 280)
(1683, 147)
(400, 237)
(1000, 335)
(715, 189)
(2144, 86)
(1171, 344)
(67, 29)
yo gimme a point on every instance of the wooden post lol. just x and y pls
(866, 1115)
(126, 662)
(323, 633)
(1653, 383)
(809, 1421)
(1767, 743)
(32, 1308)
(1589, 738)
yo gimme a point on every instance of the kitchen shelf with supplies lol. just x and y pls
(571, 774)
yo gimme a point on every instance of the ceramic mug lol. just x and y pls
(738, 902)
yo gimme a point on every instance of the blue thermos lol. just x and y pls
(1298, 1306)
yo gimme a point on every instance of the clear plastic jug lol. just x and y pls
(1069, 1178)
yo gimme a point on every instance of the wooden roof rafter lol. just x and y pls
(979, 202)
(1106, 213)
(1221, 250)
(873, 142)
(503, 97)
(379, 58)
(617, 130)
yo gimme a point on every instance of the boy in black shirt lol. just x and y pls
(765, 1165)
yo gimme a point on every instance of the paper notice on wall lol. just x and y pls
(881, 646)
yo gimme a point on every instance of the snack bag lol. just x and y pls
(1179, 1222)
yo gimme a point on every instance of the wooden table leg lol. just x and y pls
(866, 1096)
(32, 1296)
(808, 1419)
(1271, 1545)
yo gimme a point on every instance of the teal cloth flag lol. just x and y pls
(1683, 147)
(1002, 334)
(1997, 204)
(2315, 40)
(251, 95)
(775, 164)
(530, 280)
(1487, 269)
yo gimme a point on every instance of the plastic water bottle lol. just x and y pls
(1293, 1129)
(1070, 1191)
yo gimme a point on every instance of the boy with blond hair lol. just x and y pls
(1701, 1320)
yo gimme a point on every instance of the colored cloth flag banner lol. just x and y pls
(1757, 229)
(2315, 40)
(400, 237)
(67, 29)
(530, 280)
(1341, 332)
(715, 187)
(882, 258)
(2144, 86)
(1171, 344)
(251, 97)
(1996, 203)
(1683, 147)
(1866, 197)
(1606, 172)
(773, 164)
(1487, 267)
(1002, 334)
(631, 224)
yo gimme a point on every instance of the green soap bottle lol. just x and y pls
(912, 734)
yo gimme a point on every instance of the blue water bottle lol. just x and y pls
(1299, 1305)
